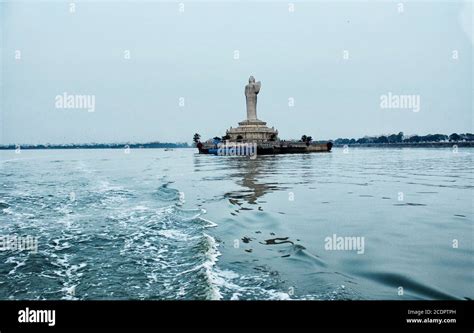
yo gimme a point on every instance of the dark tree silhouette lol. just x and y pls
(454, 137)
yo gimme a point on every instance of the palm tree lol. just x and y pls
(306, 139)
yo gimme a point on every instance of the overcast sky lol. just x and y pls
(203, 56)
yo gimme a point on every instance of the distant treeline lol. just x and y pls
(100, 146)
(401, 138)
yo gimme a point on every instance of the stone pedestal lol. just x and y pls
(252, 131)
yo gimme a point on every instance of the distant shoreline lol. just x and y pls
(461, 144)
(152, 145)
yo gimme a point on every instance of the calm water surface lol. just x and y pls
(156, 224)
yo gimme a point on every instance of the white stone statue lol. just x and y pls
(251, 91)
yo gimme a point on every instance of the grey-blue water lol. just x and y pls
(156, 224)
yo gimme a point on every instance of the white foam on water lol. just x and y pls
(210, 224)
(7, 211)
(224, 280)
(174, 234)
(13, 260)
(140, 208)
(70, 292)
(212, 257)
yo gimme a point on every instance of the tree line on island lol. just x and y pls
(197, 138)
(216, 139)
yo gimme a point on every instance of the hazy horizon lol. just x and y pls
(189, 142)
(161, 72)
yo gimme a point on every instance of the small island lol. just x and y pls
(253, 134)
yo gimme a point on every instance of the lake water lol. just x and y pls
(156, 224)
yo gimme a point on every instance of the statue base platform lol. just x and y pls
(252, 130)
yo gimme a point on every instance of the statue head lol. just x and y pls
(251, 79)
